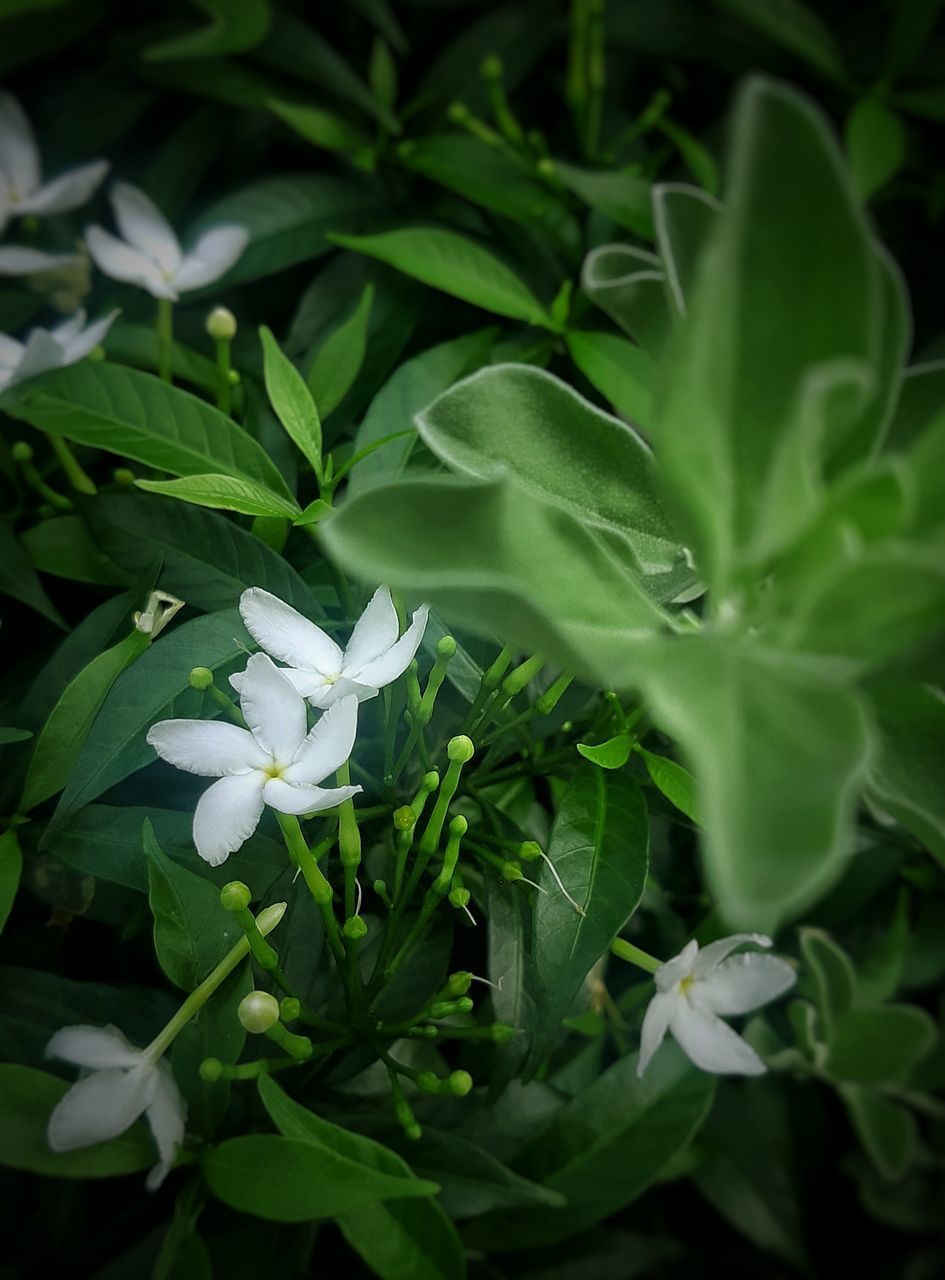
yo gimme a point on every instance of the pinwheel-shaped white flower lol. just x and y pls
(121, 1083)
(317, 666)
(274, 762)
(22, 190)
(697, 988)
(47, 349)
(150, 255)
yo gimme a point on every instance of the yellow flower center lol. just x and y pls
(274, 771)
(685, 984)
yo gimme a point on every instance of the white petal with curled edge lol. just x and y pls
(19, 156)
(286, 635)
(167, 1116)
(274, 710)
(145, 227)
(374, 632)
(327, 746)
(93, 1047)
(100, 1107)
(212, 256)
(716, 952)
(66, 192)
(655, 1026)
(121, 262)
(41, 354)
(287, 798)
(668, 974)
(210, 748)
(227, 814)
(18, 260)
(711, 1043)
(79, 346)
(742, 983)
(398, 657)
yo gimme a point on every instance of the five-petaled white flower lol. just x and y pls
(150, 254)
(47, 349)
(319, 669)
(22, 190)
(696, 987)
(122, 1084)
(274, 762)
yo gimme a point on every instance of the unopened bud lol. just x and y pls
(501, 1032)
(460, 748)
(122, 475)
(446, 647)
(211, 1070)
(290, 1008)
(235, 896)
(458, 826)
(491, 67)
(201, 678)
(512, 871)
(458, 112)
(459, 983)
(22, 452)
(354, 928)
(221, 324)
(97, 355)
(459, 898)
(460, 1083)
(404, 818)
(529, 850)
(259, 1012)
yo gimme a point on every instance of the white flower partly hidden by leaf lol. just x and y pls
(319, 669)
(697, 988)
(275, 762)
(22, 190)
(150, 255)
(47, 349)
(119, 1083)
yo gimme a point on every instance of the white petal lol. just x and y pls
(398, 657)
(287, 798)
(11, 352)
(327, 746)
(66, 192)
(41, 354)
(743, 983)
(145, 227)
(119, 261)
(273, 709)
(210, 748)
(100, 1107)
(716, 952)
(328, 694)
(286, 635)
(226, 816)
(167, 1116)
(19, 157)
(655, 1026)
(668, 974)
(374, 632)
(93, 1047)
(79, 346)
(70, 328)
(211, 257)
(711, 1043)
(17, 260)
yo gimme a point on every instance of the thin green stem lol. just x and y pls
(318, 886)
(79, 480)
(165, 337)
(224, 385)
(633, 955)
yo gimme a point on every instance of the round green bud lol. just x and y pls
(22, 452)
(529, 850)
(460, 748)
(546, 167)
(512, 871)
(233, 377)
(446, 647)
(430, 781)
(404, 818)
(258, 1012)
(428, 1082)
(235, 896)
(289, 1008)
(501, 1032)
(123, 475)
(491, 67)
(458, 112)
(354, 928)
(97, 355)
(380, 887)
(201, 678)
(459, 1083)
(459, 898)
(413, 1131)
(211, 1070)
(458, 826)
(221, 324)
(457, 984)
(465, 1004)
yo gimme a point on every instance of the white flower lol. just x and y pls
(47, 349)
(274, 762)
(21, 260)
(22, 190)
(150, 254)
(695, 987)
(319, 669)
(122, 1084)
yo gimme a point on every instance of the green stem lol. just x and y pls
(224, 386)
(633, 955)
(165, 337)
(318, 886)
(349, 841)
(81, 482)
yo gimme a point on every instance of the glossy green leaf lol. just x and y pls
(235, 26)
(612, 754)
(623, 373)
(18, 578)
(676, 783)
(876, 145)
(906, 774)
(879, 1044)
(338, 361)
(225, 493)
(11, 867)
(472, 1181)
(697, 158)
(292, 401)
(794, 26)
(64, 547)
(10, 735)
(322, 128)
(622, 197)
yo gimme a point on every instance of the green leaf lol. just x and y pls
(18, 578)
(622, 197)
(906, 774)
(136, 415)
(322, 128)
(879, 1045)
(192, 932)
(9, 735)
(27, 1098)
(11, 867)
(795, 27)
(509, 922)
(292, 401)
(876, 145)
(500, 561)
(684, 217)
(612, 754)
(630, 285)
(472, 1181)
(886, 1129)
(697, 158)
(235, 27)
(623, 373)
(521, 420)
(834, 978)
(60, 742)
(455, 264)
(599, 848)
(63, 546)
(225, 493)
(604, 1149)
(339, 359)
(769, 369)
(759, 730)
(676, 783)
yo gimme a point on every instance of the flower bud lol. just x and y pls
(270, 917)
(458, 826)
(460, 1083)
(491, 67)
(529, 850)
(458, 983)
(201, 678)
(290, 1008)
(22, 452)
(511, 871)
(404, 818)
(428, 1082)
(459, 898)
(354, 928)
(460, 748)
(458, 112)
(211, 1070)
(258, 1012)
(446, 647)
(123, 475)
(221, 324)
(235, 896)
(546, 167)
(501, 1032)
(97, 355)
